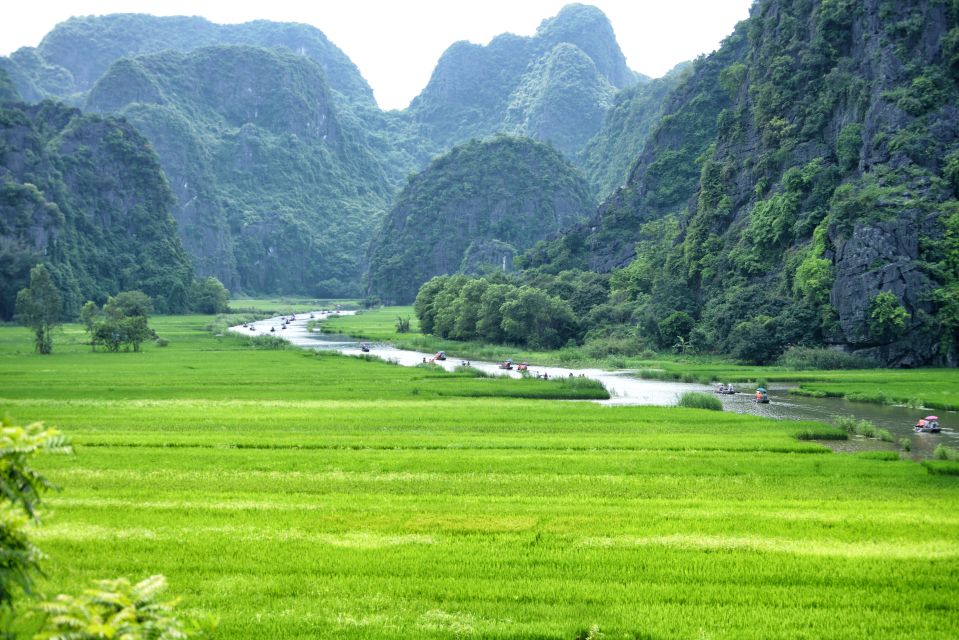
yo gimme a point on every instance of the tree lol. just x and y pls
(124, 321)
(89, 314)
(676, 326)
(210, 296)
(423, 306)
(39, 308)
(886, 318)
(21, 487)
(537, 319)
(129, 304)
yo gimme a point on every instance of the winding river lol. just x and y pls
(627, 390)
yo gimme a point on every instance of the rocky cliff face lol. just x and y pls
(86, 196)
(472, 210)
(555, 86)
(805, 166)
(272, 194)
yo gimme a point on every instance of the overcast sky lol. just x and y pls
(396, 43)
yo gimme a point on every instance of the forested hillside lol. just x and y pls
(554, 86)
(273, 194)
(636, 110)
(85, 194)
(472, 211)
(800, 189)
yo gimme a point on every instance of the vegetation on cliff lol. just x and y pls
(273, 193)
(85, 196)
(472, 211)
(799, 189)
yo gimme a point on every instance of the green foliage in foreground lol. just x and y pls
(118, 609)
(295, 496)
(697, 400)
(21, 487)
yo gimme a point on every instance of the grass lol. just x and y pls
(696, 400)
(917, 388)
(298, 496)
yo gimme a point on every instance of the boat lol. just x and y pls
(506, 364)
(726, 389)
(762, 397)
(365, 347)
(522, 367)
(929, 424)
(440, 355)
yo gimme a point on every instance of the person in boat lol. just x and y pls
(920, 424)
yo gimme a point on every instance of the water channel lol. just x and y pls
(625, 389)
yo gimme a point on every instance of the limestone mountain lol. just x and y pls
(85, 195)
(76, 53)
(799, 189)
(472, 210)
(554, 86)
(273, 193)
(636, 110)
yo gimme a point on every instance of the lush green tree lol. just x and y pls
(489, 321)
(129, 304)
(89, 314)
(124, 322)
(674, 327)
(754, 341)
(39, 307)
(423, 306)
(534, 318)
(208, 295)
(21, 488)
(887, 318)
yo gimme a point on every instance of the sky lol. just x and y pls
(396, 43)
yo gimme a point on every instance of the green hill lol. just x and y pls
(472, 210)
(85, 195)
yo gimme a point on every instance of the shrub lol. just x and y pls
(813, 358)
(162, 342)
(887, 318)
(128, 611)
(269, 342)
(906, 444)
(820, 432)
(887, 456)
(697, 400)
(943, 452)
(402, 324)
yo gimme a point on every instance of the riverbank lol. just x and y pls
(932, 389)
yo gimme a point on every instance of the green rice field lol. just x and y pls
(295, 495)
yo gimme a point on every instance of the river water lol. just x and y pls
(625, 389)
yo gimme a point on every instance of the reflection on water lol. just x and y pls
(626, 389)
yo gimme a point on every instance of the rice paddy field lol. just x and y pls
(301, 496)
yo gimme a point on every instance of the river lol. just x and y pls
(625, 389)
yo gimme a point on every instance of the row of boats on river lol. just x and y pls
(929, 424)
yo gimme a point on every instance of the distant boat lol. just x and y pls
(929, 424)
